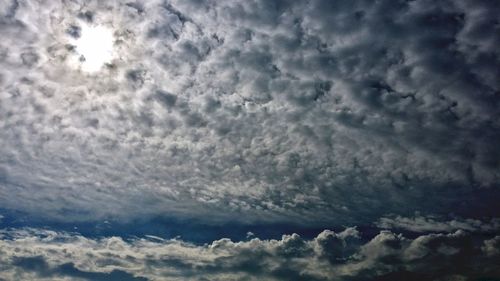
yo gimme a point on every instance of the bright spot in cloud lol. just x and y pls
(95, 47)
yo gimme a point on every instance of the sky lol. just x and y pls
(250, 140)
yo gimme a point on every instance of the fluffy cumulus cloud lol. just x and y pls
(307, 111)
(34, 254)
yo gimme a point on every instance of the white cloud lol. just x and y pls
(41, 254)
(420, 223)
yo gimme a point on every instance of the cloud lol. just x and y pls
(36, 254)
(314, 112)
(38, 265)
(420, 223)
(492, 247)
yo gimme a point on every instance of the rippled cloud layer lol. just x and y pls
(273, 110)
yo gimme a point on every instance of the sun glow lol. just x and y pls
(94, 47)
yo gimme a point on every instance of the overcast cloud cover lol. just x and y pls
(318, 114)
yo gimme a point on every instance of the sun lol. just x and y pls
(94, 47)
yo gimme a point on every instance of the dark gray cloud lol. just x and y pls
(314, 112)
(36, 254)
